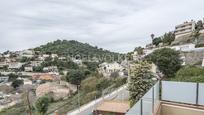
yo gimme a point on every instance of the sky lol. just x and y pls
(115, 25)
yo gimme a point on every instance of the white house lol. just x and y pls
(35, 63)
(108, 68)
(15, 65)
(183, 58)
(27, 53)
(77, 61)
(28, 69)
(45, 56)
(2, 64)
(54, 55)
(62, 58)
(4, 79)
(50, 69)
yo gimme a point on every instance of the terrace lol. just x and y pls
(171, 98)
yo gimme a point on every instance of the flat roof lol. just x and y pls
(114, 106)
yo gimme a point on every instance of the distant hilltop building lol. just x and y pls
(188, 31)
(184, 29)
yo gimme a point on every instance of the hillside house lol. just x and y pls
(27, 53)
(54, 55)
(46, 77)
(15, 65)
(184, 29)
(50, 69)
(108, 68)
(35, 63)
(3, 64)
(62, 58)
(4, 79)
(28, 69)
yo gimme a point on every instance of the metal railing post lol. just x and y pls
(141, 107)
(197, 93)
(153, 100)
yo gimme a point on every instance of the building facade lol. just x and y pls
(184, 29)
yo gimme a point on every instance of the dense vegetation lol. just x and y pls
(166, 39)
(167, 60)
(41, 105)
(140, 81)
(76, 49)
(189, 74)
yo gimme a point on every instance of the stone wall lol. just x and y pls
(194, 57)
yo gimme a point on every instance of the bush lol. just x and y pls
(190, 74)
(12, 77)
(92, 66)
(17, 83)
(156, 41)
(91, 96)
(41, 105)
(38, 69)
(120, 81)
(89, 84)
(93, 83)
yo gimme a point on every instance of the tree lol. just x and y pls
(156, 41)
(75, 76)
(140, 81)
(89, 84)
(95, 84)
(38, 69)
(24, 59)
(12, 77)
(199, 25)
(17, 83)
(139, 50)
(92, 66)
(167, 60)
(168, 38)
(41, 105)
(152, 36)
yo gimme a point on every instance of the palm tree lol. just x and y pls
(152, 36)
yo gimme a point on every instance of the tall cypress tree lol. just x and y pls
(140, 80)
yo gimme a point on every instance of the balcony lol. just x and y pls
(171, 98)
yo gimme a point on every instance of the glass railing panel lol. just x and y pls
(179, 92)
(201, 94)
(147, 106)
(156, 94)
(148, 94)
(136, 109)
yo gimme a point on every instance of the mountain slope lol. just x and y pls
(74, 48)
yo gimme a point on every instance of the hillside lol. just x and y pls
(74, 48)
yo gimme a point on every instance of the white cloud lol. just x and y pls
(117, 25)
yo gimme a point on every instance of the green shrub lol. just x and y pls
(190, 74)
(41, 105)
